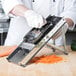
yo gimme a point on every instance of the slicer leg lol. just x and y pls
(54, 47)
(64, 40)
(54, 44)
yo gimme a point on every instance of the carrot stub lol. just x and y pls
(47, 59)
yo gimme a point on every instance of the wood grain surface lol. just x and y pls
(64, 68)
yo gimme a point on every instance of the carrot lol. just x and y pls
(7, 51)
(47, 59)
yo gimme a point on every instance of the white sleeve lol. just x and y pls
(8, 5)
(70, 11)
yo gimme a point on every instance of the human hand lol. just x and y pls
(33, 19)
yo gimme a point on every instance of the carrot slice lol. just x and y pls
(6, 51)
(47, 59)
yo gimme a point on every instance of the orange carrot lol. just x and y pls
(47, 59)
(7, 51)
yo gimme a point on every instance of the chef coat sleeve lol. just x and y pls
(8, 5)
(70, 11)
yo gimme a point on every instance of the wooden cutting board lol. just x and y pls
(65, 68)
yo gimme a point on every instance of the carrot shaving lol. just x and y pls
(7, 51)
(47, 59)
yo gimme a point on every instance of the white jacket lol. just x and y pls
(63, 8)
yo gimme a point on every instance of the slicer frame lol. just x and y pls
(28, 47)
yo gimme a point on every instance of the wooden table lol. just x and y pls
(65, 68)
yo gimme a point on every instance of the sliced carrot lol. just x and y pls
(7, 51)
(47, 59)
